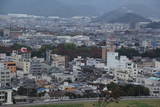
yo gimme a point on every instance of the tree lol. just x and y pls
(27, 91)
(19, 46)
(129, 52)
(107, 96)
(41, 52)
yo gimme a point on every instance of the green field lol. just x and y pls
(141, 103)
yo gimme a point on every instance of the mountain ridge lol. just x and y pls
(69, 8)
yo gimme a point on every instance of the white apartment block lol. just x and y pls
(112, 60)
(116, 61)
(123, 68)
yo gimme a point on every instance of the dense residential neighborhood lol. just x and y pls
(53, 58)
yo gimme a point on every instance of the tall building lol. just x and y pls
(25, 54)
(120, 62)
(105, 50)
(48, 57)
(112, 60)
(38, 68)
(5, 76)
(104, 53)
(26, 67)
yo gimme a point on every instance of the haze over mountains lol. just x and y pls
(69, 8)
(122, 15)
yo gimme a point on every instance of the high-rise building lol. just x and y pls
(104, 53)
(5, 76)
(105, 50)
(26, 67)
(48, 57)
(112, 59)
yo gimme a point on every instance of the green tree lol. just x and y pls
(129, 52)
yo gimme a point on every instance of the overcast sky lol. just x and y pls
(101, 6)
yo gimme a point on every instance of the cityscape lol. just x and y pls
(93, 60)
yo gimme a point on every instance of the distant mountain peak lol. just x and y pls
(126, 9)
(121, 16)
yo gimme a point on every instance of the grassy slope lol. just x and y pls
(143, 103)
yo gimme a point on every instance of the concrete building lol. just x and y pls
(38, 68)
(123, 68)
(6, 96)
(104, 53)
(26, 67)
(11, 66)
(26, 56)
(122, 75)
(58, 61)
(48, 56)
(2, 56)
(154, 86)
(5, 76)
(112, 60)
(116, 61)
(105, 49)
(23, 54)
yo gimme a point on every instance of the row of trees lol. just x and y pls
(129, 90)
(8, 50)
(130, 52)
(68, 49)
(72, 51)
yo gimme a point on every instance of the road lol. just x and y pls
(82, 100)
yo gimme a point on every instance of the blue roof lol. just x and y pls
(154, 78)
(157, 73)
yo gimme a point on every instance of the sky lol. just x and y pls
(99, 6)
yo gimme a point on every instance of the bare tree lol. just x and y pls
(106, 96)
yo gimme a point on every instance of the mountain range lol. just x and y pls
(122, 15)
(69, 8)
